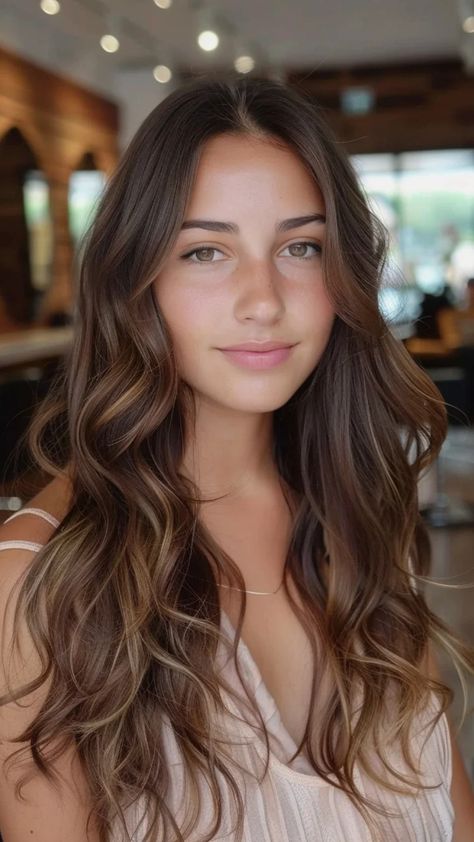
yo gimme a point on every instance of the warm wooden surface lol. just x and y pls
(33, 346)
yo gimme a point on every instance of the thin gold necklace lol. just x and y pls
(258, 593)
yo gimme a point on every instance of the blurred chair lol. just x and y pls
(443, 510)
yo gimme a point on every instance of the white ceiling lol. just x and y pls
(284, 34)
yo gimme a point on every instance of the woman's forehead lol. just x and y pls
(249, 169)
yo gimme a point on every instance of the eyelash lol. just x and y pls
(188, 255)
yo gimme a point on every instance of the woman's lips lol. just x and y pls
(258, 359)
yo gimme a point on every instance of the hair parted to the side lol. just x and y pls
(122, 601)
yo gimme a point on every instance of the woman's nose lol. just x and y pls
(258, 289)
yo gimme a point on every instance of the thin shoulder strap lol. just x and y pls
(20, 545)
(28, 545)
(40, 512)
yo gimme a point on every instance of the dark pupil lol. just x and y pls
(207, 252)
(299, 246)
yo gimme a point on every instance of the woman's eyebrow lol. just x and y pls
(232, 228)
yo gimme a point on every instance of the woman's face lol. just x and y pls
(258, 281)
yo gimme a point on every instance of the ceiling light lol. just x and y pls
(109, 43)
(162, 73)
(50, 7)
(208, 40)
(163, 4)
(468, 24)
(244, 64)
(466, 15)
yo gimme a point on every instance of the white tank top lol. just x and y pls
(292, 803)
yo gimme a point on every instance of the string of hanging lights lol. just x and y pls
(210, 27)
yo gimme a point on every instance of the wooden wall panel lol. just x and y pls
(417, 106)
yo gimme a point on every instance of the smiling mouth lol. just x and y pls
(258, 347)
(258, 360)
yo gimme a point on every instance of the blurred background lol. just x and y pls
(396, 82)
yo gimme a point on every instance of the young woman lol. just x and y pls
(213, 617)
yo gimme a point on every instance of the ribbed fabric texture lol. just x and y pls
(292, 804)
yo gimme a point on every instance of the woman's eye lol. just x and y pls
(204, 254)
(301, 248)
(205, 250)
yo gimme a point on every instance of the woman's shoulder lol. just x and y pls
(21, 536)
(32, 525)
(22, 666)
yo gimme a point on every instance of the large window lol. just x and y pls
(426, 200)
(38, 223)
(85, 188)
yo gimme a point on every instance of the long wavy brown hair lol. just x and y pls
(122, 602)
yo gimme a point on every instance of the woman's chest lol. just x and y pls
(256, 535)
(282, 654)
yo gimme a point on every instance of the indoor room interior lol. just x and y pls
(396, 84)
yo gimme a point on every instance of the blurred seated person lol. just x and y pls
(431, 332)
(444, 336)
(457, 325)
